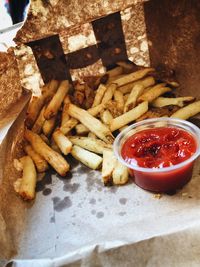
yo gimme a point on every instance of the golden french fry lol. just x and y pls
(154, 92)
(54, 146)
(91, 144)
(109, 162)
(88, 158)
(99, 95)
(119, 98)
(92, 135)
(112, 107)
(62, 142)
(120, 174)
(40, 163)
(132, 99)
(146, 82)
(106, 117)
(52, 157)
(165, 101)
(126, 97)
(29, 178)
(45, 139)
(109, 93)
(127, 66)
(81, 129)
(49, 126)
(18, 165)
(37, 127)
(65, 115)
(112, 79)
(134, 76)
(115, 71)
(129, 116)
(187, 111)
(37, 103)
(93, 124)
(71, 123)
(57, 100)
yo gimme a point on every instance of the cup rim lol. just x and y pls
(188, 125)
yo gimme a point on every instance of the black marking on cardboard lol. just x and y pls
(100, 214)
(46, 180)
(110, 39)
(50, 58)
(61, 204)
(46, 191)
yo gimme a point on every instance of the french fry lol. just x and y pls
(112, 107)
(45, 139)
(126, 97)
(109, 162)
(129, 116)
(109, 93)
(119, 98)
(88, 158)
(92, 135)
(54, 146)
(40, 163)
(115, 71)
(37, 127)
(57, 100)
(127, 66)
(99, 95)
(106, 117)
(37, 103)
(93, 124)
(112, 79)
(120, 174)
(62, 142)
(81, 129)
(158, 112)
(70, 124)
(134, 76)
(65, 116)
(146, 82)
(18, 165)
(52, 157)
(132, 99)
(91, 144)
(29, 178)
(154, 92)
(165, 101)
(49, 126)
(187, 111)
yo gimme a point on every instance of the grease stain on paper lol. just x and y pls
(93, 212)
(92, 201)
(72, 188)
(61, 204)
(122, 213)
(46, 191)
(123, 201)
(46, 180)
(100, 215)
(52, 219)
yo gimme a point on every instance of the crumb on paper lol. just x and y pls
(184, 194)
(157, 196)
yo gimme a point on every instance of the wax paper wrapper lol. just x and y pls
(76, 221)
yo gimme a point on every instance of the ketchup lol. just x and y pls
(158, 148)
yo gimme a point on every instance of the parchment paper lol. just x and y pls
(76, 221)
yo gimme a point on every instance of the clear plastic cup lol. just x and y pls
(166, 179)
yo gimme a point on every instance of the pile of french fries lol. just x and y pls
(83, 122)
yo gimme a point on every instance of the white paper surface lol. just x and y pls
(81, 218)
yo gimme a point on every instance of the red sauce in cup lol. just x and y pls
(158, 148)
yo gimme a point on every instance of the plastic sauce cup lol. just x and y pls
(165, 179)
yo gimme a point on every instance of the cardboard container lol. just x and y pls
(76, 221)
